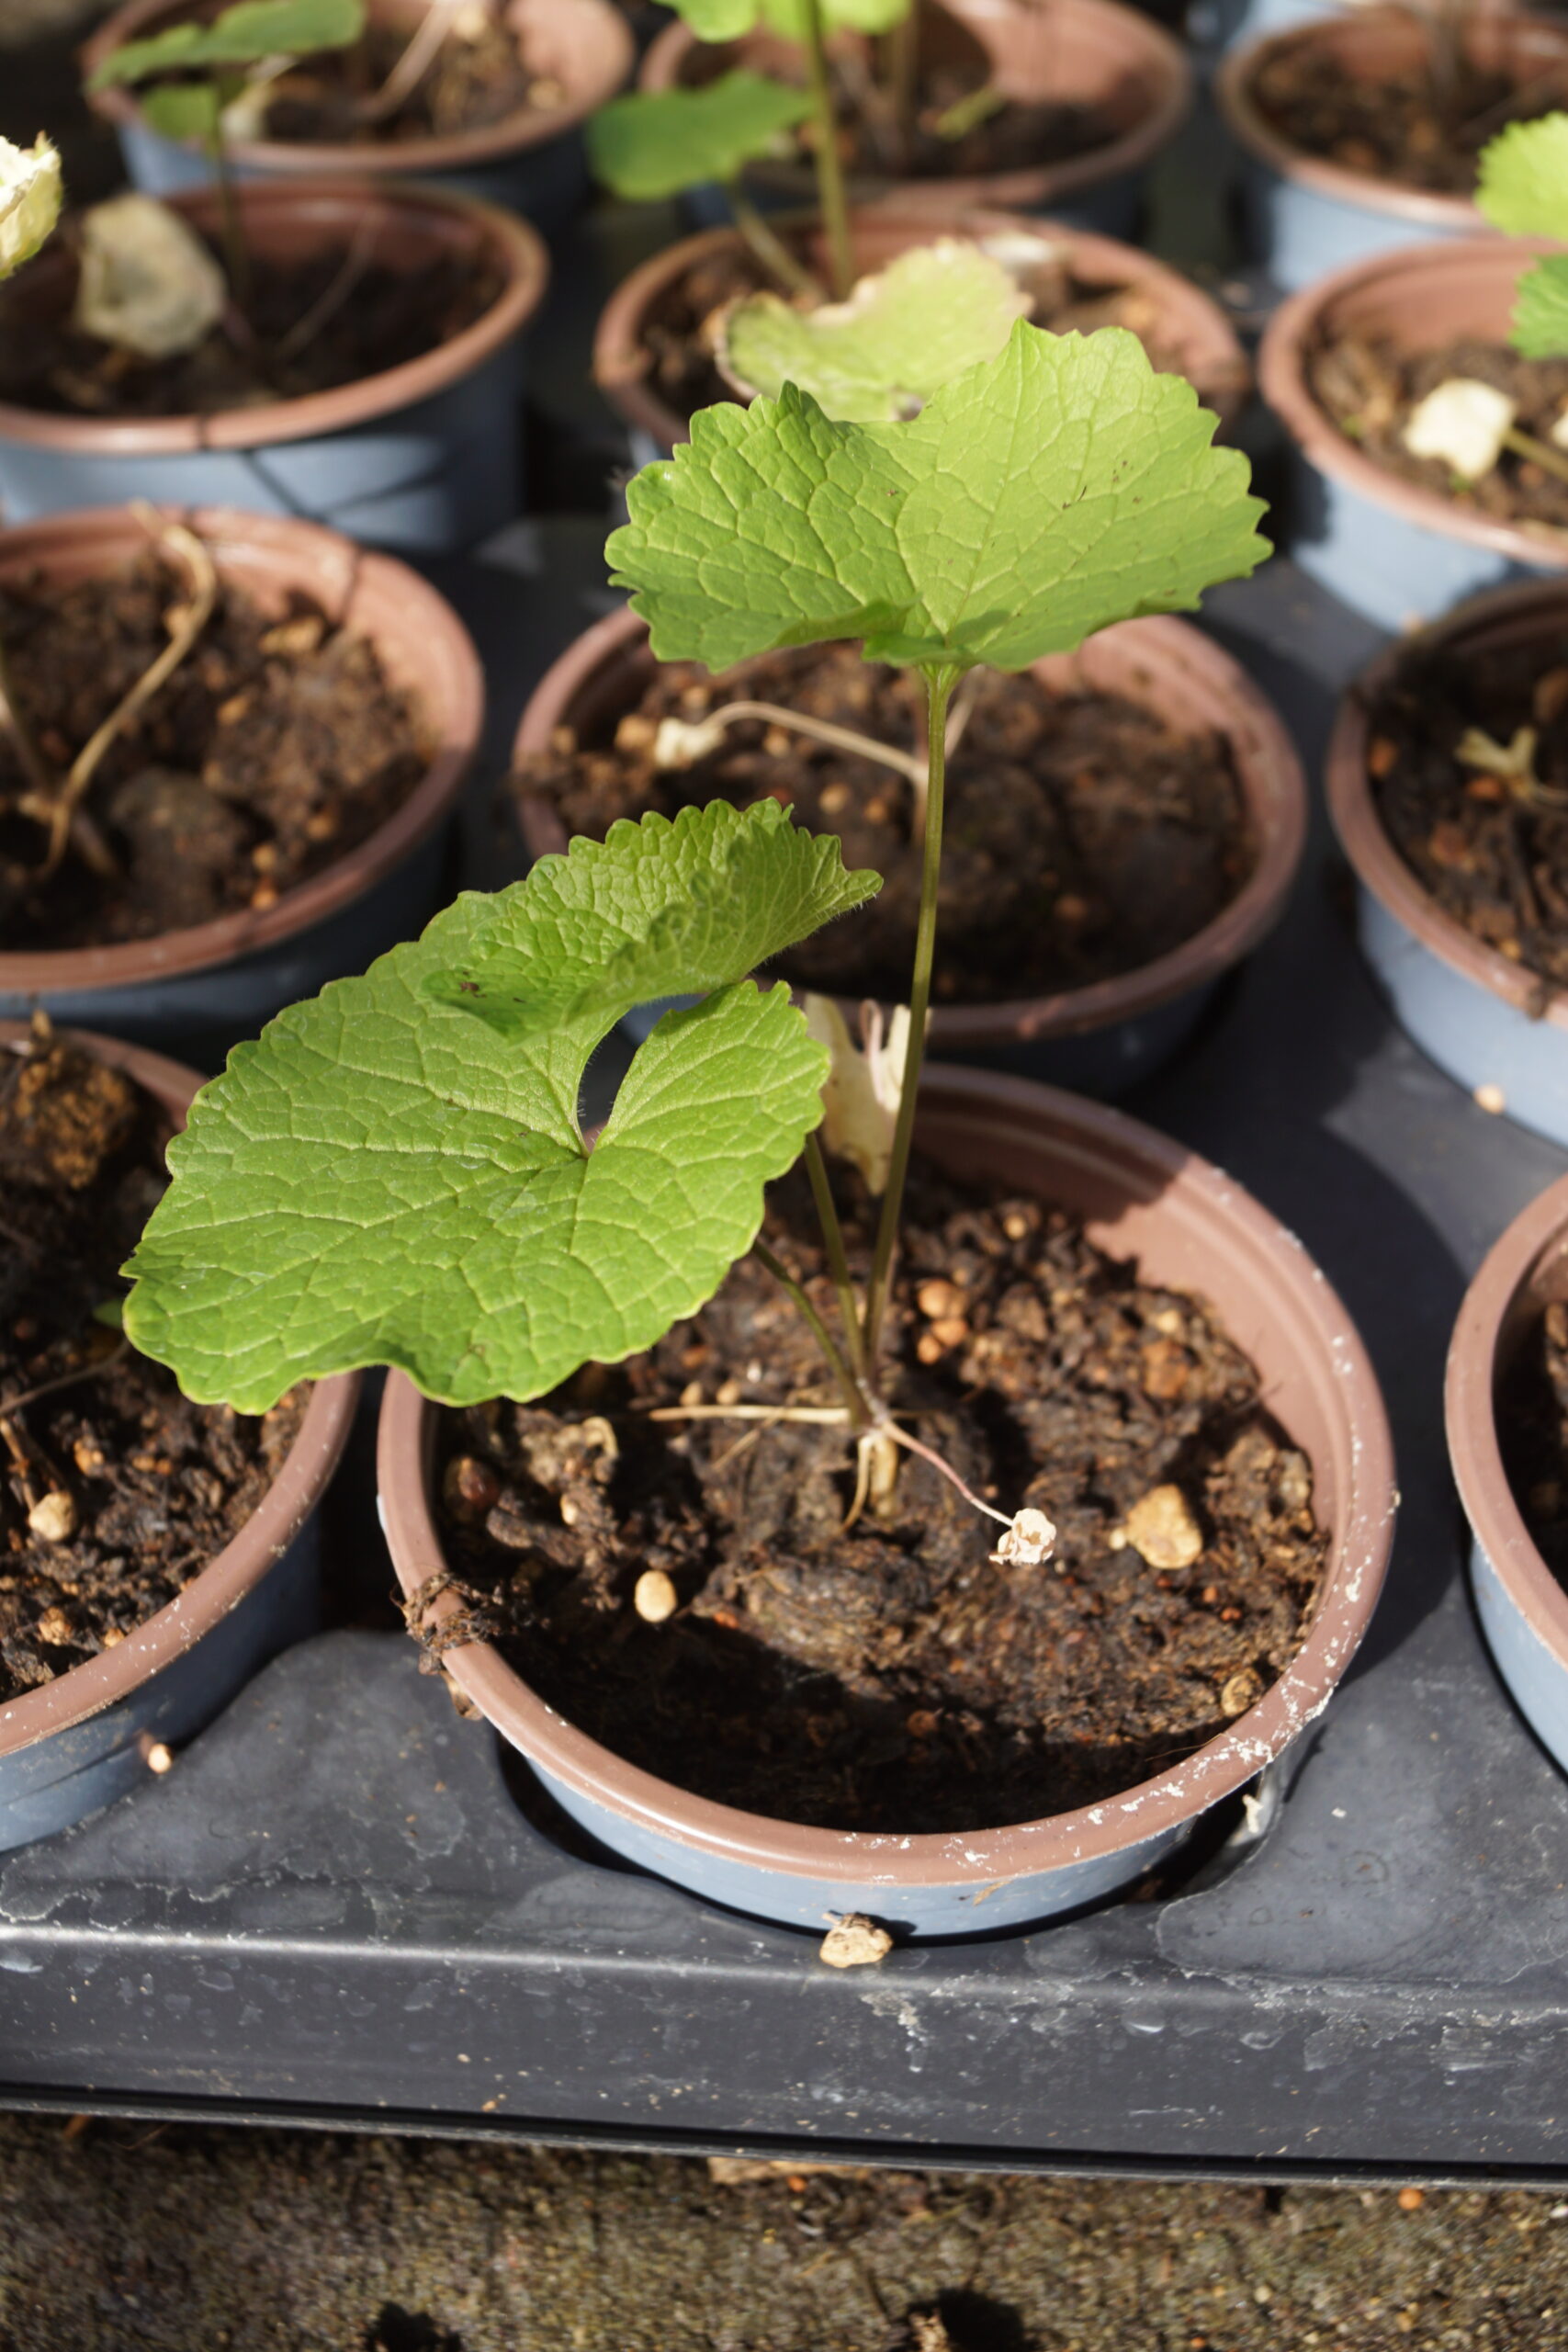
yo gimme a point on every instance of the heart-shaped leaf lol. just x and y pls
(653, 144)
(241, 35)
(1523, 182)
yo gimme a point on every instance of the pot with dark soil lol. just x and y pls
(1506, 1406)
(1402, 537)
(176, 864)
(654, 351)
(1361, 135)
(371, 379)
(1125, 825)
(1447, 784)
(1071, 101)
(157, 1553)
(494, 110)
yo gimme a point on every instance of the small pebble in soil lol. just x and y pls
(854, 1941)
(654, 1597)
(1162, 1530)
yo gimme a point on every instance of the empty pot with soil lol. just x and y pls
(1400, 536)
(1092, 92)
(158, 1552)
(1078, 1291)
(274, 814)
(1356, 142)
(1126, 825)
(1506, 1408)
(1447, 784)
(497, 113)
(375, 385)
(653, 353)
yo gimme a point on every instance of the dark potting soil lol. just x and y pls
(678, 329)
(1394, 129)
(1019, 135)
(1369, 387)
(331, 319)
(897, 1678)
(478, 77)
(277, 746)
(1083, 836)
(1532, 1428)
(114, 1490)
(1492, 852)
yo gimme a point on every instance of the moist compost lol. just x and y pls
(115, 1491)
(1394, 128)
(333, 317)
(276, 747)
(1492, 851)
(895, 1677)
(1532, 1430)
(479, 76)
(1368, 386)
(1083, 837)
(679, 328)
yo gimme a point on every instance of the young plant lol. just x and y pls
(190, 73)
(395, 1173)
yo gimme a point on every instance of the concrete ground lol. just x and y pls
(122, 2237)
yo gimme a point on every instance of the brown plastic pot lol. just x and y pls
(1187, 1225)
(1392, 548)
(1102, 1038)
(86, 1738)
(1200, 341)
(1308, 215)
(1523, 1608)
(530, 159)
(420, 456)
(222, 979)
(1493, 1025)
(1094, 53)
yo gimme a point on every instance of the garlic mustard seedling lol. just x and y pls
(1523, 191)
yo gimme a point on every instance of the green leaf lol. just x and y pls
(653, 144)
(1035, 499)
(242, 35)
(716, 20)
(900, 336)
(385, 1178)
(1523, 183)
(1540, 328)
(185, 110)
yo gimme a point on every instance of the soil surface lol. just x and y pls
(472, 83)
(310, 326)
(1395, 130)
(1532, 1426)
(115, 1491)
(897, 1678)
(1491, 849)
(276, 747)
(1082, 839)
(1369, 387)
(678, 329)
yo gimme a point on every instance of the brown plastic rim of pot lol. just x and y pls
(1200, 340)
(1142, 1196)
(423, 648)
(1094, 51)
(1419, 299)
(1524, 1272)
(1372, 44)
(1165, 665)
(586, 45)
(287, 221)
(98, 1682)
(1532, 611)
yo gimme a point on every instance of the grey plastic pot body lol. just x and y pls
(1393, 550)
(422, 458)
(1522, 1608)
(198, 991)
(86, 1739)
(1187, 1225)
(1482, 1018)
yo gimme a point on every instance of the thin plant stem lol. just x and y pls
(819, 730)
(30, 758)
(236, 254)
(838, 1256)
(829, 169)
(903, 78)
(771, 251)
(939, 682)
(1537, 453)
(860, 1415)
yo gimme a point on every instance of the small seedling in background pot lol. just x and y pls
(395, 1174)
